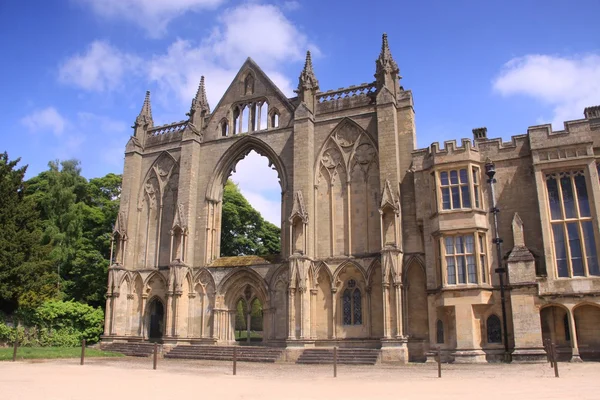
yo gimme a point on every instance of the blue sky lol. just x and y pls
(74, 72)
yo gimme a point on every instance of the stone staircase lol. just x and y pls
(350, 356)
(131, 349)
(225, 353)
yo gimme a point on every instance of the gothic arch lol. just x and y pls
(274, 275)
(233, 155)
(414, 261)
(158, 275)
(375, 264)
(164, 157)
(233, 285)
(345, 264)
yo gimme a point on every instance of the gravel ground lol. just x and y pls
(133, 378)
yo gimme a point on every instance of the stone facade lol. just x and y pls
(383, 245)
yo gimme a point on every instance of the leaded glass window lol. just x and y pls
(352, 304)
(573, 233)
(439, 331)
(455, 188)
(494, 330)
(465, 258)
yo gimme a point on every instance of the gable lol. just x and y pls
(250, 87)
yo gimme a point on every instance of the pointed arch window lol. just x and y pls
(439, 332)
(352, 304)
(494, 330)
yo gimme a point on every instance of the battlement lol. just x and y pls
(173, 127)
(364, 89)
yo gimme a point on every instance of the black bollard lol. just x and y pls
(555, 360)
(82, 352)
(234, 360)
(439, 362)
(335, 362)
(155, 356)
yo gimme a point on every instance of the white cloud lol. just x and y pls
(260, 185)
(567, 84)
(152, 15)
(45, 119)
(275, 42)
(101, 68)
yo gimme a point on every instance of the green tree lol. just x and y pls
(77, 218)
(26, 276)
(243, 230)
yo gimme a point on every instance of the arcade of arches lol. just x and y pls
(382, 245)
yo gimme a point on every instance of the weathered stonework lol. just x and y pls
(383, 245)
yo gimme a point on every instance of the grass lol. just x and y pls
(27, 353)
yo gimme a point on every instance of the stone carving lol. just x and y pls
(331, 158)
(347, 135)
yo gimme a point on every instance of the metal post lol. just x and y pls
(82, 352)
(15, 344)
(555, 359)
(439, 362)
(490, 171)
(335, 362)
(155, 361)
(234, 360)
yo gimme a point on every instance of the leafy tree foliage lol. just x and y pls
(243, 230)
(26, 277)
(77, 219)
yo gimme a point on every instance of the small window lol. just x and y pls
(275, 120)
(494, 330)
(439, 331)
(224, 128)
(352, 304)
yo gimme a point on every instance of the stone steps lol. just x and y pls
(225, 353)
(348, 356)
(130, 349)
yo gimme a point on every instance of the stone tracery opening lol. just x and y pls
(234, 228)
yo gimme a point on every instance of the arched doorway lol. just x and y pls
(156, 320)
(587, 321)
(249, 321)
(556, 327)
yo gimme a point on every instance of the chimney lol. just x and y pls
(480, 133)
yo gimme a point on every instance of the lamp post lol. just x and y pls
(490, 171)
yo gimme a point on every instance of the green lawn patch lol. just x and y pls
(27, 353)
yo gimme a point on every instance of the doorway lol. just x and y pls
(156, 313)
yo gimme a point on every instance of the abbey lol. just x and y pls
(384, 246)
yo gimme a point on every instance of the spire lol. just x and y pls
(200, 102)
(308, 85)
(308, 80)
(386, 69)
(145, 116)
(200, 107)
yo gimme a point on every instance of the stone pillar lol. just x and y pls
(386, 319)
(115, 296)
(465, 338)
(291, 314)
(248, 322)
(169, 315)
(399, 314)
(368, 313)
(575, 356)
(191, 310)
(142, 331)
(334, 313)
(108, 314)
(313, 313)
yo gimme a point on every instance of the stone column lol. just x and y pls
(112, 313)
(191, 311)
(334, 313)
(313, 313)
(168, 315)
(302, 312)
(399, 313)
(108, 314)
(248, 322)
(575, 357)
(368, 313)
(386, 319)
(142, 331)
(291, 314)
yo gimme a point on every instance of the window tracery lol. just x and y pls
(494, 329)
(573, 233)
(352, 304)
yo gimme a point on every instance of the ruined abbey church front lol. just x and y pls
(384, 245)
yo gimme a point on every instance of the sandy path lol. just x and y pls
(175, 379)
